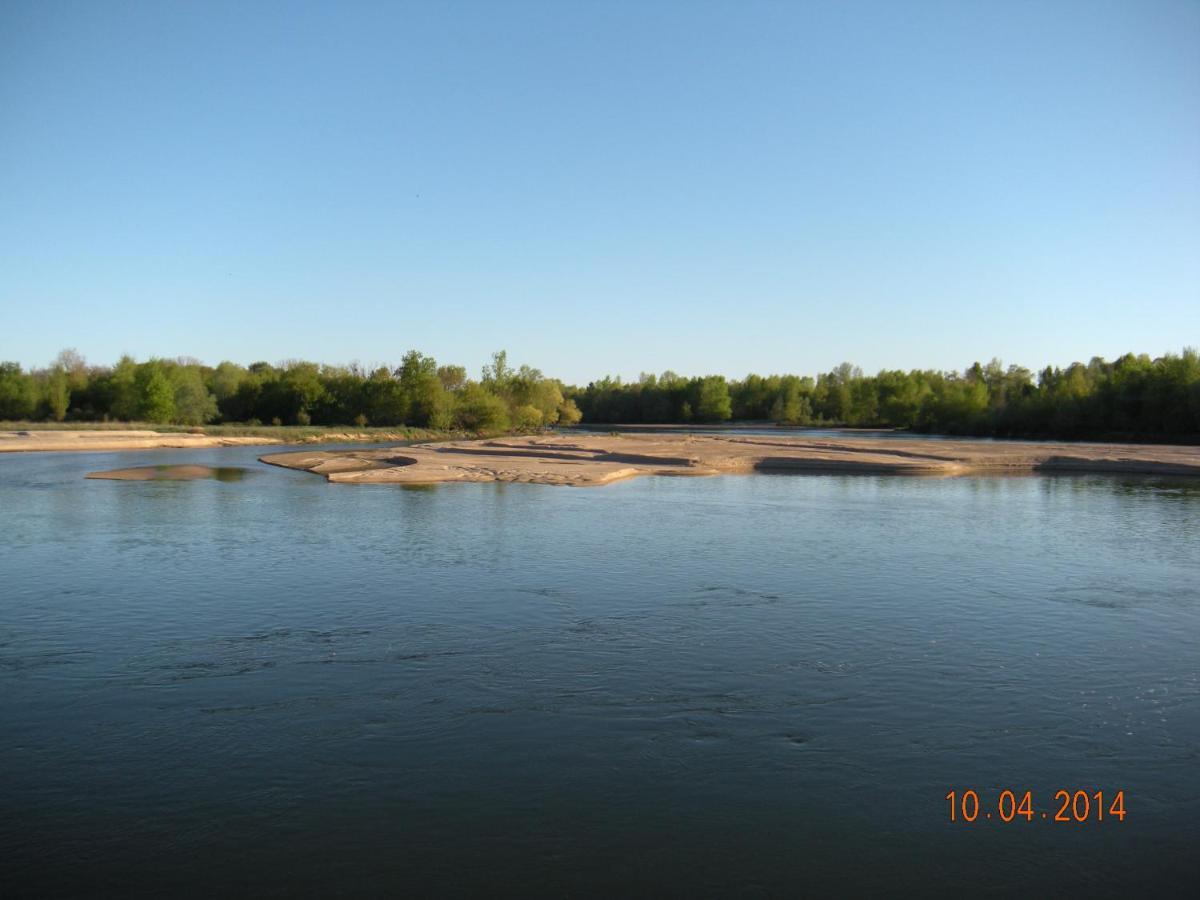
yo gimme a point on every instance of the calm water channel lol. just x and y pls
(736, 686)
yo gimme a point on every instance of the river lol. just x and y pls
(732, 686)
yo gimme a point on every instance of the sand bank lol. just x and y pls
(587, 460)
(172, 473)
(99, 440)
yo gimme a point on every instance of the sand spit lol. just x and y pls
(172, 473)
(588, 460)
(99, 440)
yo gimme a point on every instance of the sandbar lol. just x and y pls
(172, 473)
(593, 460)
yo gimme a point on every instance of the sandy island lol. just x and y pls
(100, 440)
(172, 473)
(600, 459)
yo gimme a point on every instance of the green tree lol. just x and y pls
(57, 393)
(71, 362)
(428, 405)
(156, 395)
(386, 401)
(194, 405)
(712, 402)
(452, 377)
(527, 417)
(791, 405)
(568, 413)
(290, 393)
(478, 409)
(497, 375)
(125, 399)
(18, 393)
(225, 381)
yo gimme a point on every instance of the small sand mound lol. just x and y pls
(173, 473)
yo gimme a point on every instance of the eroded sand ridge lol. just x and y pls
(588, 460)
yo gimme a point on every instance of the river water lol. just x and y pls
(733, 686)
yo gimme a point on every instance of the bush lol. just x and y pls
(568, 413)
(480, 410)
(527, 417)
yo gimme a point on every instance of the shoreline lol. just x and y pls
(776, 428)
(594, 460)
(106, 440)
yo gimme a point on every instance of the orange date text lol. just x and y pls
(1077, 806)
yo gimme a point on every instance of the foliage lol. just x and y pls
(156, 395)
(194, 404)
(478, 409)
(568, 413)
(57, 393)
(711, 401)
(527, 417)
(18, 393)
(1134, 396)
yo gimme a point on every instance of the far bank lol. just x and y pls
(104, 437)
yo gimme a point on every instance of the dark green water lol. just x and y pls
(739, 686)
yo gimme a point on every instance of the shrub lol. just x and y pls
(527, 417)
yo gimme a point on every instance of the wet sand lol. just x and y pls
(99, 440)
(590, 460)
(172, 473)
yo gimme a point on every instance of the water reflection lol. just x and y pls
(176, 472)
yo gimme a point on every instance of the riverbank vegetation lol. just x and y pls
(1133, 396)
(183, 392)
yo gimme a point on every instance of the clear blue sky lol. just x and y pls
(601, 187)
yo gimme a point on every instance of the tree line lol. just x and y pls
(418, 393)
(1133, 396)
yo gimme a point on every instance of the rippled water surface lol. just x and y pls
(734, 686)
